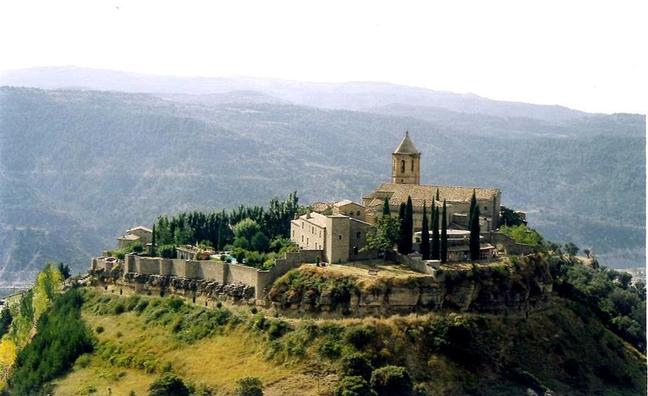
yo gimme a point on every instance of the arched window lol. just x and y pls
(402, 166)
(412, 165)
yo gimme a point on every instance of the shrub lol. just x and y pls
(356, 365)
(83, 361)
(249, 386)
(359, 336)
(168, 385)
(277, 329)
(330, 349)
(167, 251)
(391, 381)
(119, 309)
(99, 329)
(354, 386)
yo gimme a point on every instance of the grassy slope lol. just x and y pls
(216, 362)
(562, 347)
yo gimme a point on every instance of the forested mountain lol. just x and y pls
(78, 167)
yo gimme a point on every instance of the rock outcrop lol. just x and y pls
(492, 288)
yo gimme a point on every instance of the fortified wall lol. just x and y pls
(192, 274)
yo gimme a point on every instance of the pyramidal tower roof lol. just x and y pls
(406, 146)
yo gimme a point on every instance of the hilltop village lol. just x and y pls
(430, 226)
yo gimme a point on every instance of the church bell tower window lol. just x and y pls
(402, 166)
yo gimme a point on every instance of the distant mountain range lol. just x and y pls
(79, 166)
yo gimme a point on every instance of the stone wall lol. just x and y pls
(415, 262)
(502, 241)
(150, 268)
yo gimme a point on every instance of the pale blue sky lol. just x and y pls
(588, 55)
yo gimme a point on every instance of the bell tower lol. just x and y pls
(406, 163)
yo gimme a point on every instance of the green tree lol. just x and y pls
(424, 248)
(571, 249)
(354, 386)
(152, 248)
(64, 269)
(241, 242)
(444, 234)
(246, 229)
(167, 251)
(249, 386)
(473, 226)
(409, 226)
(436, 242)
(168, 384)
(260, 242)
(356, 364)
(384, 235)
(402, 226)
(386, 211)
(391, 381)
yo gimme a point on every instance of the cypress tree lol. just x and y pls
(438, 198)
(409, 217)
(402, 237)
(444, 235)
(386, 211)
(152, 249)
(436, 245)
(424, 248)
(474, 233)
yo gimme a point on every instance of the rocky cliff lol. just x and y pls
(507, 286)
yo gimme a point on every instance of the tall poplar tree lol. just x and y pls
(436, 242)
(386, 211)
(444, 235)
(424, 248)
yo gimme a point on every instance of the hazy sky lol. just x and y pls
(587, 55)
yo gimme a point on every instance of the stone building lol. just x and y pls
(339, 237)
(405, 181)
(136, 234)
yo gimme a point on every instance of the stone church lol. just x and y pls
(406, 181)
(339, 231)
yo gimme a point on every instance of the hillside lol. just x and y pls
(79, 167)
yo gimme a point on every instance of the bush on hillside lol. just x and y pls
(249, 386)
(168, 385)
(354, 386)
(356, 364)
(391, 381)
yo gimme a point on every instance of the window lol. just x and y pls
(358, 235)
(306, 241)
(412, 165)
(293, 233)
(485, 208)
(358, 213)
(402, 166)
(320, 233)
(302, 239)
(340, 237)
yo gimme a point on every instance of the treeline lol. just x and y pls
(617, 301)
(61, 337)
(216, 229)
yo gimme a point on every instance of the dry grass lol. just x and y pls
(216, 362)
(360, 270)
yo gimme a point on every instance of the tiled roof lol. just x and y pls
(346, 202)
(398, 193)
(140, 228)
(315, 218)
(406, 146)
(129, 237)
